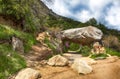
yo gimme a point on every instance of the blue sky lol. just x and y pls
(104, 11)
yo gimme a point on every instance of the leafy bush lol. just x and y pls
(20, 11)
(85, 51)
(98, 56)
(50, 45)
(74, 47)
(55, 45)
(112, 52)
(108, 51)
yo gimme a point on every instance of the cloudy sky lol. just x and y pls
(105, 11)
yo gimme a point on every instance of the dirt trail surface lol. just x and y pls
(104, 69)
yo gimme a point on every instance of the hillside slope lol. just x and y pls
(25, 19)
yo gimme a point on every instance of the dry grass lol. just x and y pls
(111, 42)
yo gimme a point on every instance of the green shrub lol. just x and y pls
(54, 45)
(108, 51)
(85, 51)
(74, 47)
(98, 56)
(50, 45)
(20, 11)
(112, 52)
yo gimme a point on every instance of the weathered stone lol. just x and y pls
(98, 48)
(81, 66)
(57, 60)
(88, 60)
(84, 35)
(28, 73)
(17, 45)
(42, 36)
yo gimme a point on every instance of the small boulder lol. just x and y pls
(57, 60)
(28, 73)
(98, 48)
(81, 66)
(17, 44)
(88, 60)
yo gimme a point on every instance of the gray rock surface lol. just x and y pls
(17, 45)
(84, 35)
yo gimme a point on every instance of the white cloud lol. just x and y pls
(98, 9)
(113, 17)
(98, 4)
(74, 3)
(59, 7)
(84, 15)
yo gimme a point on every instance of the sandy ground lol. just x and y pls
(104, 69)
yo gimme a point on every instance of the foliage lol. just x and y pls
(85, 51)
(112, 52)
(54, 44)
(74, 47)
(6, 33)
(10, 61)
(20, 10)
(108, 51)
(92, 22)
(98, 56)
(50, 45)
(62, 22)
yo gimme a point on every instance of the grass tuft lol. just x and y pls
(10, 61)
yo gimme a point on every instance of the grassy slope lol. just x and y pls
(9, 64)
(13, 63)
(36, 16)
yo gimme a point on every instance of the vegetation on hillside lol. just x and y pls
(6, 32)
(32, 16)
(10, 61)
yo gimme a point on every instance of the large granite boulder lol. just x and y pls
(28, 73)
(84, 35)
(57, 60)
(81, 66)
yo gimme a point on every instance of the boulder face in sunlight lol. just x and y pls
(81, 66)
(28, 73)
(57, 61)
(84, 35)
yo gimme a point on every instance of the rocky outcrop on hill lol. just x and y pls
(84, 35)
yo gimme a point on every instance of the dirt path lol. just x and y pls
(104, 69)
